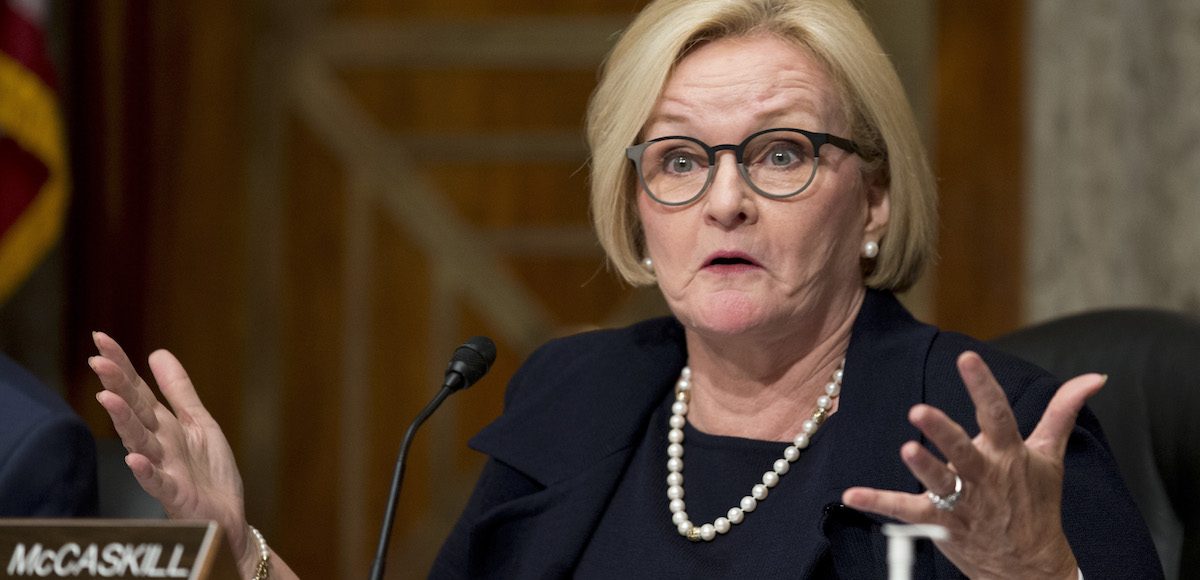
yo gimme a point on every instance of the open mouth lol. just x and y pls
(730, 260)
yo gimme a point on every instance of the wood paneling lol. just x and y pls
(155, 111)
(163, 218)
(979, 162)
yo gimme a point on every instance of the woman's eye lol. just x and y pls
(785, 154)
(781, 157)
(679, 163)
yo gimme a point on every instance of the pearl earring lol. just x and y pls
(870, 250)
(648, 264)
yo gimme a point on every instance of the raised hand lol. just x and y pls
(178, 455)
(1007, 521)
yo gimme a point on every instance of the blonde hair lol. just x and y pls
(834, 32)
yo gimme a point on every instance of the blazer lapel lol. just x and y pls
(576, 441)
(884, 377)
(542, 535)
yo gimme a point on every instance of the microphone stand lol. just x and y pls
(389, 516)
(470, 362)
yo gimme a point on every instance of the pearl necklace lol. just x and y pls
(770, 479)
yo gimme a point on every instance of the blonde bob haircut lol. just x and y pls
(834, 32)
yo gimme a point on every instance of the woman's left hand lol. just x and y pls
(1007, 522)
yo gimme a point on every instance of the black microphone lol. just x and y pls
(470, 362)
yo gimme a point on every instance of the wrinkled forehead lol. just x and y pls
(748, 80)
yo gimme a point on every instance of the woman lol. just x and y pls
(755, 159)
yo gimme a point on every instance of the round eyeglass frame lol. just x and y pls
(635, 153)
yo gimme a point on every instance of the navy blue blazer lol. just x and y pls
(577, 408)
(47, 454)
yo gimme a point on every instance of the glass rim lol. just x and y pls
(635, 153)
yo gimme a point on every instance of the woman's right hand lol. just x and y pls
(178, 455)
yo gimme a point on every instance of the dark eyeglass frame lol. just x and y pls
(635, 153)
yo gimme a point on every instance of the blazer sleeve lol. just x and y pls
(1103, 525)
(50, 470)
(498, 484)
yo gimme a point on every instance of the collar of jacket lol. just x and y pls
(577, 408)
(584, 398)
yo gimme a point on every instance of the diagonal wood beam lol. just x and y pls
(524, 43)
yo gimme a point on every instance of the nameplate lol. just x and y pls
(68, 548)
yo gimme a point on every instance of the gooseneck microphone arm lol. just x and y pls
(469, 363)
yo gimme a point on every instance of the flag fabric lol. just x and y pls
(33, 160)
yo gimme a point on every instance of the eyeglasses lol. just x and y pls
(776, 163)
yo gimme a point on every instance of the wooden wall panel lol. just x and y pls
(311, 319)
(979, 161)
(480, 8)
(156, 219)
(404, 378)
(415, 319)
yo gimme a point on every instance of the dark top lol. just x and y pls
(577, 435)
(635, 537)
(47, 455)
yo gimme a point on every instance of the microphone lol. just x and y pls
(469, 363)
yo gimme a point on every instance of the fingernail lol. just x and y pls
(92, 362)
(1104, 378)
(98, 397)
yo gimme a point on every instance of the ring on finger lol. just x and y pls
(946, 503)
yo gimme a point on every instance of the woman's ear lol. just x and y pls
(878, 206)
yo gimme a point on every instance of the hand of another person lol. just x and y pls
(1007, 522)
(180, 458)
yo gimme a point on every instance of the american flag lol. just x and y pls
(33, 158)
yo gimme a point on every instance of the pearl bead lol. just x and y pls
(870, 250)
(759, 492)
(791, 453)
(675, 492)
(748, 504)
(782, 466)
(685, 528)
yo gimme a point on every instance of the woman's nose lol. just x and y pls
(729, 201)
